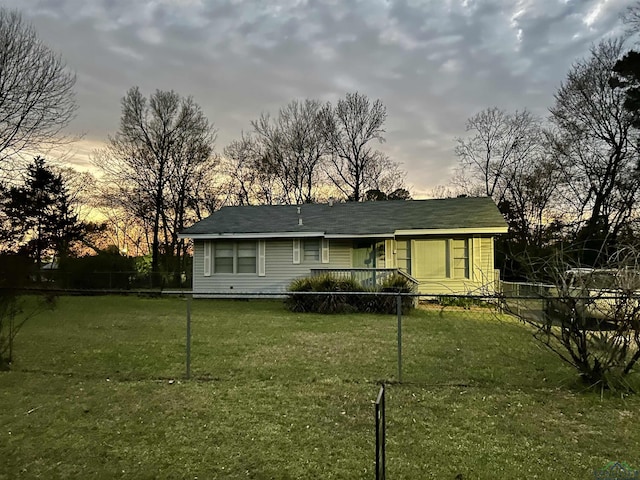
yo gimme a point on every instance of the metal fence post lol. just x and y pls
(188, 337)
(381, 427)
(399, 312)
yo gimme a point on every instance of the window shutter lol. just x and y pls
(261, 258)
(475, 260)
(389, 254)
(207, 259)
(325, 250)
(296, 251)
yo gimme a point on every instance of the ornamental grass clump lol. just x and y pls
(329, 299)
(336, 295)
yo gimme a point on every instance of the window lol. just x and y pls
(246, 262)
(234, 257)
(403, 255)
(431, 258)
(311, 250)
(223, 260)
(440, 258)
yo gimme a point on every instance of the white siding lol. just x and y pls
(279, 270)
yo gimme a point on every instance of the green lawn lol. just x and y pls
(97, 390)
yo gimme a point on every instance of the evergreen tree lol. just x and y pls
(39, 218)
(627, 76)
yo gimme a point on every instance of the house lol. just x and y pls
(444, 245)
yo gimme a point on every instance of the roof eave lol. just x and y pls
(452, 231)
(218, 236)
(397, 233)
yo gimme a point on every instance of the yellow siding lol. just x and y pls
(433, 266)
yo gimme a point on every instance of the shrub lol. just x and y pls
(591, 325)
(396, 284)
(462, 302)
(331, 296)
(330, 300)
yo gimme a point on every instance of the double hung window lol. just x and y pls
(460, 254)
(235, 257)
(311, 249)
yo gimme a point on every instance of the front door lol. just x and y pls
(368, 254)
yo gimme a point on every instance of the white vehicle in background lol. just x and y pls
(604, 295)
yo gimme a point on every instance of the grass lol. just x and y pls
(97, 390)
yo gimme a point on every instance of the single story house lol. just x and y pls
(445, 245)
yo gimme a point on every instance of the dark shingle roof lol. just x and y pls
(351, 218)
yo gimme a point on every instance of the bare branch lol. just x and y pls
(36, 90)
(350, 127)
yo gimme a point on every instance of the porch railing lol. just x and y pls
(367, 277)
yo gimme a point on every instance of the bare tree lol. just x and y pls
(36, 90)
(81, 189)
(589, 317)
(350, 127)
(160, 143)
(595, 146)
(294, 148)
(530, 200)
(310, 151)
(500, 145)
(123, 230)
(631, 18)
(192, 163)
(248, 182)
(384, 175)
(507, 158)
(442, 191)
(208, 191)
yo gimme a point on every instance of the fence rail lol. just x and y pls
(107, 280)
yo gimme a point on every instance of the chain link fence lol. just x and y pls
(120, 281)
(402, 321)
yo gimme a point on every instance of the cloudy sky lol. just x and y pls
(432, 63)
